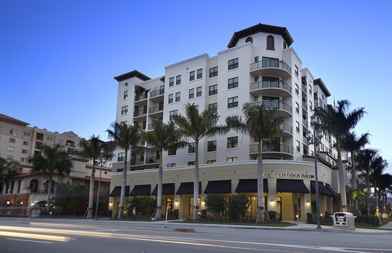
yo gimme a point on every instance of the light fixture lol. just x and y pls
(307, 204)
(176, 204)
(272, 203)
(8, 202)
(203, 204)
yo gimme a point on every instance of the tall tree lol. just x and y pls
(365, 158)
(354, 144)
(126, 137)
(338, 121)
(377, 166)
(8, 170)
(51, 161)
(91, 149)
(261, 124)
(195, 126)
(163, 137)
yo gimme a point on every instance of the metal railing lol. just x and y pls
(283, 148)
(155, 108)
(271, 85)
(157, 92)
(265, 64)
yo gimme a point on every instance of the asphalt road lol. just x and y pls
(44, 235)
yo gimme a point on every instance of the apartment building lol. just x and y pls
(19, 142)
(259, 65)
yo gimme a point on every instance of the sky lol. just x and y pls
(58, 58)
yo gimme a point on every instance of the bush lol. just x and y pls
(141, 206)
(216, 205)
(237, 207)
(368, 220)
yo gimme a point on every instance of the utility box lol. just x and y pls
(344, 220)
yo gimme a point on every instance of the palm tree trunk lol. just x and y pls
(342, 181)
(196, 183)
(91, 192)
(124, 184)
(158, 213)
(354, 181)
(368, 194)
(98, 194)
(260, 213)
(49, 193)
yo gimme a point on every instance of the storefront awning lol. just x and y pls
(291, 185)
(250, 186)
(187, 188)
(218, 186)
(322, 189)
(141, 190)
(117, 191)
(331, 191)
(167, 189)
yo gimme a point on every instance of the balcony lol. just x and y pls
(268, 88)
(271, 68)
(155, 93)
(155, 109)
(141, 98)
(287, 129)
(283, 109)
(139, 114)
(273, 151)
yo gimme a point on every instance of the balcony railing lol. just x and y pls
(281, 106)
(154, 109)
(281, 65)
(157, 92)
(140, 97)
(284, 85)
(267, 148)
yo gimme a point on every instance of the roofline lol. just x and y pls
(322, 86)
(11, 120)
(133, 73)
(261, 28)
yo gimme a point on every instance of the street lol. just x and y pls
(62, 235)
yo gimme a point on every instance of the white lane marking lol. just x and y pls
(27, 240)
(42, 237)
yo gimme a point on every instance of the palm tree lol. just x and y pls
(377, 167)
(354, 144)
(365, 157)
(195, 126)
(338, 121)
(163, 137)
(8, 170)
(51, 161)
(91, 149)
(261, 124)
(126, 137)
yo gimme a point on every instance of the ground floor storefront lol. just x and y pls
(289, 188)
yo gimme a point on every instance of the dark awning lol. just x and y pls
(167, 189)
(141, 190)
(187, 188)
(291, 185)
(250, 186)
(117, 191)
(218, 186)
(322, 189)
(331, 191)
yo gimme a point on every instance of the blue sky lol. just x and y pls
(58, 58)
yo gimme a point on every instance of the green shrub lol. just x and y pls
(237, 207)
(216, 205)
(141, 206)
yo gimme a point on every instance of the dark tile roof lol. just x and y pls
(322, 86)
(261, 28)
(133, 73)
(11, 120)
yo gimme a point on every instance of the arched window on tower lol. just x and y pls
(270, 42)
(249, 40)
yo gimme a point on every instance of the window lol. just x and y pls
(271, 103)
(192, 75)
(257, 59)
(171, 165)
(199, 91)
(178, 79)
(191, 93)
(191, 148)
(249, 40)
(297, 126)
(231, 159)
(211, 161)
(232, 63)
(40, 136)
(24, 151)
(172, 114)
(12, 140)
(232, 102)
(232, 83)
(296, 70)
(212, 90)
(199, 74)
(297, 89)
(310, 89)
(270, 62)
(124, 110)
(172, 151)
(178, 96)
(171, 81)
(232, 142)
(213, 71)
(25, 143)
(191, 163)
(310, 105)
(126, 84)
(297, 107)
(298, 146)
(211, 146)
(33, 186)
(125, 95)
(120, 156)
(270, 42)
(213, 107)
(171, 97)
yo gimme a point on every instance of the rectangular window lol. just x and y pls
(232, 83)
(25, 143)
(171, 81)
(232, 102)
(298, 146)
(191, 93)
(297, 126)
(40, 136)
(297, 107)
(297, 89)
(199, 91)
(125, 95)
(211, 146)
(124, 110)
(231, 159)
(172, 114)
(211, 161)
(199, 74)
(12, 140)
(232, 142)
(268, 62)
(191, 148)
(120, 156)
(213, 107)
(296, 70)
(178, 96)
(171, 97)
(178, 79)
(212, 90)
(257, 59)
(24, 151)
(213, 71)
(232, 63)
(192, 75)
